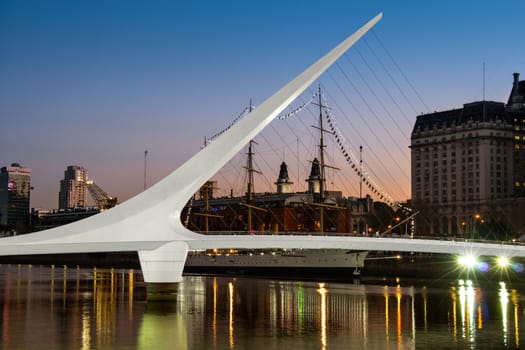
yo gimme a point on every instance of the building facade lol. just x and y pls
(468, 168)
(516, 108)
(15, 190)
(73, 188)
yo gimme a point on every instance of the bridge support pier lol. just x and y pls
(162, 269)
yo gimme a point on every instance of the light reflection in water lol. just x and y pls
(52, 285)
(103, 309)
(86, 330)
(398, 314)
(6, 310)
(322, 290)
(467, 302)
(214, 322)
(386, 312)
(64, 288)
(131, 285)
(413, 312)
(162, 327)
(86, 313)
(471, 306)
(230, 328)
(515, 301)
(300, 306)
(504, 301)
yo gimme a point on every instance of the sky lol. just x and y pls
(96, 83)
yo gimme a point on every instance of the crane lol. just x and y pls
(101, 198)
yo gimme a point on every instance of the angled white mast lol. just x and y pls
(150, 222)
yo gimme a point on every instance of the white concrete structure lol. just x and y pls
(150, 222)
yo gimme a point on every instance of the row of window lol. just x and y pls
(495, 193)
(463, 136)
(435, 155)
(493, 180)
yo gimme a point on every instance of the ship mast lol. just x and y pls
(321, 160)
(206, 193)
(250, 188)
(249, 191)
(322, 164)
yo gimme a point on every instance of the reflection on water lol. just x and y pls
(474, 313)
(65, 307)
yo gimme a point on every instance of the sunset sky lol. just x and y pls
(96, 83)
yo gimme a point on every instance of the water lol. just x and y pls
(70, 308)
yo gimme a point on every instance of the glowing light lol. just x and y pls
(503, 261)
(467, 261)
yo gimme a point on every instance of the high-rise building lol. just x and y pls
(516, 108)
(15, 189)
(468, 166)
(73, 188)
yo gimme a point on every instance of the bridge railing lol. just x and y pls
(307, 233)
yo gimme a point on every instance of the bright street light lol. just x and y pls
(468, 261)
(503, 261)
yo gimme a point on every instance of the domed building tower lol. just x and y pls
(314, 180)
(284, 185)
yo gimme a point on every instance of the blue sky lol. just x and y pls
(95, 83)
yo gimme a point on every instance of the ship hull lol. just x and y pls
(339, 264)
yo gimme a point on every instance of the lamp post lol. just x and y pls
(477, 217)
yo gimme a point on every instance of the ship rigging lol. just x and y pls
(315, 211)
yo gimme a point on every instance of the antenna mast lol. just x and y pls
(483, 81)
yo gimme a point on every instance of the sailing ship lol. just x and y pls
(317, 211)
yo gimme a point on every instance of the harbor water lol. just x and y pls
(73, 308)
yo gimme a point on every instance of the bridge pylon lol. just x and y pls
(150, 222)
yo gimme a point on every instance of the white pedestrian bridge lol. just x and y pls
(150, 222)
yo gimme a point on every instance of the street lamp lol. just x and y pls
(503, 261)
(477, 217)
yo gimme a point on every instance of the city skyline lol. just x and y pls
(97, 84)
